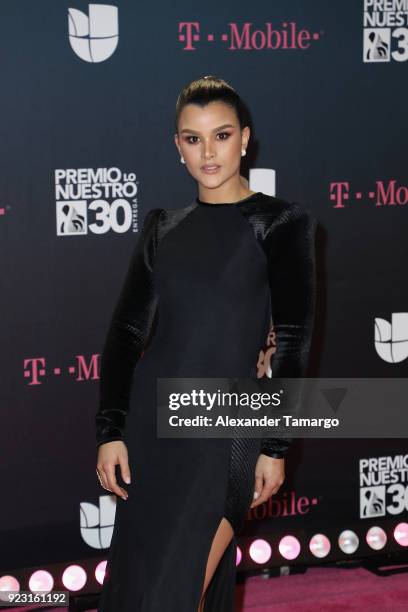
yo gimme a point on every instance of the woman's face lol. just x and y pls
(211, 135)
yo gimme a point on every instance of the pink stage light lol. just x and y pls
(376, 538)
(319, 545)
(260, 551)
(41, 580)
(239, 556)
(8, 583)
(100, 572)
(289, 547)
(348, 541)
(74, 578)
(401, 534)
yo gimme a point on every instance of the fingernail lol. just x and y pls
(256, 495)
(124, 497)
(127, 480)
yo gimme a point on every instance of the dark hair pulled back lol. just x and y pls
(208, 89)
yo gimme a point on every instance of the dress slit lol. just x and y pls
(220, 593)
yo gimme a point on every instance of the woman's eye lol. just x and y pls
(224, 135)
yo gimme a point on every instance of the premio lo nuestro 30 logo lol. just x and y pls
(383, 485)
(95, 201)
(385, 35)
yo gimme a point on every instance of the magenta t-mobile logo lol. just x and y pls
(385, 193)
(247, 37)
(36, 369)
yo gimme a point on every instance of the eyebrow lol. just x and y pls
(221, 127)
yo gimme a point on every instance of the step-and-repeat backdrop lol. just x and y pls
(88, 94)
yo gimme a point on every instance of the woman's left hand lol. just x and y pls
(269, 476)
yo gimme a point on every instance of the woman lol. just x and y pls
(197, 301)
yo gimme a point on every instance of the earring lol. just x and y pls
(243, 152)
(182, 160)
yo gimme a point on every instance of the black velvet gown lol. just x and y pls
(203, 285)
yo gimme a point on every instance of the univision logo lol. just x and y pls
(97, 523)
(94, 38)
(391, 339)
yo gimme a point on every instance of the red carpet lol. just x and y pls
(326, 590)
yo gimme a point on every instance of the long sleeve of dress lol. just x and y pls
(291, 262)
(127, 334)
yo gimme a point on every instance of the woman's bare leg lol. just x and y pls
(222, 538)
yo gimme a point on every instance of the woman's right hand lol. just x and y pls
(111, 454)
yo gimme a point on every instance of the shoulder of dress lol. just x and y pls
(153, 214)
(266, 213)
(179, 211)
(272, 207)
(169, 218)
(151, 218)
(167, 214)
